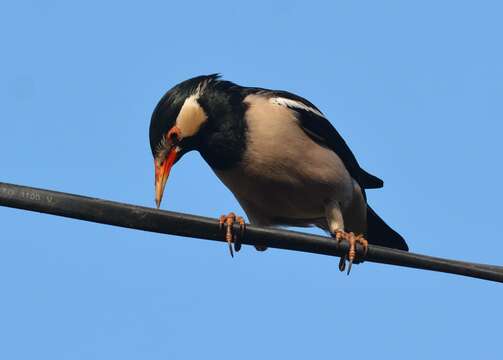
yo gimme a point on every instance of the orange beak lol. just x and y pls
(162, 172)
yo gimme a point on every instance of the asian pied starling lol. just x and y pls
(280, 156)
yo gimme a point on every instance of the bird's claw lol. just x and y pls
(352, 240)
(228, 221)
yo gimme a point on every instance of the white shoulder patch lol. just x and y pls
(294, 104)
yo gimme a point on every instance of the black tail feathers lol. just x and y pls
(369, 181)
(379, 233)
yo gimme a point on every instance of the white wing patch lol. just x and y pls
(294, 104)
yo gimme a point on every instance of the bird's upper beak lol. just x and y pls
(163, 166)
(162, 171)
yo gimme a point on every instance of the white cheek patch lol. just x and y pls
(294, 104)
(191, 117)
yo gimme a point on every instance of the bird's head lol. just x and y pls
(175, 127)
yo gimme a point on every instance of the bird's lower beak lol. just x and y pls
(162, 173)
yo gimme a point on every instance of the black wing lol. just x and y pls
(317, 126)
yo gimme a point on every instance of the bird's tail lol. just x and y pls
(379, 233)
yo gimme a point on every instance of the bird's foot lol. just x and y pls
(227, 222)
(352, 239)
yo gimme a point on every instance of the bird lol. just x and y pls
(279, 155)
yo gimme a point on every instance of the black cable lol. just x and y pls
(167, 222)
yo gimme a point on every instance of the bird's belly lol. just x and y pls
(291, 189)
(270, 203)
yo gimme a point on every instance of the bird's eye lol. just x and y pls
(168, 141)
(173, 137)
(174, 134)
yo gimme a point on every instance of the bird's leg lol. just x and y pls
(228, 221)
(352, 239)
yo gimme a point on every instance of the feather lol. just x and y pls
(317, 126)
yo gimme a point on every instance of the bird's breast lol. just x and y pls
(284, 173)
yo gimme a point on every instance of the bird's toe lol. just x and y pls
(226, 222)
(351, 255)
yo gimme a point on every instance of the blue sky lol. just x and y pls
(414, 87)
